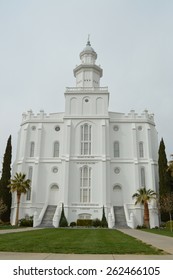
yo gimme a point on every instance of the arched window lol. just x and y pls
(85, 184)
(116, 149)
(28, 194)
(143, 184)
(56, 149)
(117, 187)
(86, 139)
(32, 148)
(141, 149)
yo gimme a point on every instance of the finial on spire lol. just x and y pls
(88, 42)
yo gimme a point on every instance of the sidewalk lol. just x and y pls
(164, 243)
(161, 242)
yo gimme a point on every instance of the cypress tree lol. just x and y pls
(164, 176)
(104, 222)
(5, 194)
(63, 221)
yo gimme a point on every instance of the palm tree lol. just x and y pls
(144, 196)
(19, 185)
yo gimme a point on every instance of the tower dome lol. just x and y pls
(88, 74)
(87, 52)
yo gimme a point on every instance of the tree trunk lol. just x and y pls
(17, 212)
(146, 215)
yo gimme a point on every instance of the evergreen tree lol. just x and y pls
(104, 222)
(63, 221)
(170, 171)
(164, 175)
(5, 195)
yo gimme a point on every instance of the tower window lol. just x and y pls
(56, 149)
(28, 194)
(141, 149)
(143, 184)
(85, 139)
(116, 149)
(85, 184)
(32, 148)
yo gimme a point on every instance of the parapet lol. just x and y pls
(29, 116)
(132, 116)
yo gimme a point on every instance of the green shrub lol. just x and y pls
(162, 225)
(104, 222)
(169, 225)
(26, 222)
(84, 223)
(63, 221)
(73, 224)
(141, 227)
(96, 223)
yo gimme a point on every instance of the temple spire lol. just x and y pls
(88, 42)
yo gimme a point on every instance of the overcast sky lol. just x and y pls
(40, 42)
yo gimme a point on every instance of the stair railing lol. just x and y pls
(111, 218)
(56, 217)
(129, 217)
(38, 218)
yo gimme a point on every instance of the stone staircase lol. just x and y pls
(120, 219)
(48, 216)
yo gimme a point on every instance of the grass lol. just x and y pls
(164, 231)
(8, 227)
(75, 241)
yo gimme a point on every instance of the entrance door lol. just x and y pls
(54, 195)
(117, 196)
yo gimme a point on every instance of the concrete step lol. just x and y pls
(120, 219)
(48, 216)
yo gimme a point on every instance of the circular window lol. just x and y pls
(33, 127)
(116, 127)
(140, 128)
(57, 128)
(86, 100)
(117, 170)
(55, 169)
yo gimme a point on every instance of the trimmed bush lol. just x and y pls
(104, 222)
(26, 222)
(141, 227)
(63, 221)
(73, 224)
(96, 223)
(84, 223)
(169, 225)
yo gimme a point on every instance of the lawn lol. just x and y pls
(75, 241)
(164, 232)
(8, 227)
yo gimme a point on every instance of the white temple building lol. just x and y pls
(87, 157)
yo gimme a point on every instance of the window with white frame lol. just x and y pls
(28, 194)
(116, 149)
(56, 149)
(86, 139)
(141, 149)
(32, 148)
(143, 184)
(85, 184)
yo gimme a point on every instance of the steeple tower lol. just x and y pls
(88, 74)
